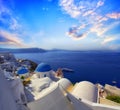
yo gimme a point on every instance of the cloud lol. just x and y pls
(100, 29)
(78, 36)
(7, 18)
(89, 12)
(81, 8)
(102, 19)
(10, 39)
(82, 26)
(14, 24)
(85, 13)
(70, 8)
(74, 32)
(91, 20)
(10, 27)
(108, 39)
(100, 3)
(113, 15)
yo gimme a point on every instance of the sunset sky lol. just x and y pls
(60, 24)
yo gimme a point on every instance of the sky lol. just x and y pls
(60, 24)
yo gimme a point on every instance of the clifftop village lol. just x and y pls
(31, 86)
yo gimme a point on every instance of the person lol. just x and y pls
(59, 73)
(101, 92)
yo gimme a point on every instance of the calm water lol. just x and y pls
(97, 67)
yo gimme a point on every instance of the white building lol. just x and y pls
(12, 95)
(54, 99)
(45, 70)
(86, 90)
(23, 71)
(48, 94)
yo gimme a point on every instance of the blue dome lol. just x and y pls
(42, 67)
(22, 70)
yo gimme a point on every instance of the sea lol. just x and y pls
(95, 66)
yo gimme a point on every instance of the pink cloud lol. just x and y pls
(114, 15)
(102, 19)
(89, 12)
(82, 26)
(77, 36)
(74, 32)
(98, 29)
(100, 3)
(11, 39)
(108, 39)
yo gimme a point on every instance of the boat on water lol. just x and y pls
(67, 70)
(45, 89)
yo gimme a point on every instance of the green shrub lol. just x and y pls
(22, 77)
(114, 98)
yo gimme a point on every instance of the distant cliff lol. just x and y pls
(23, 50)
